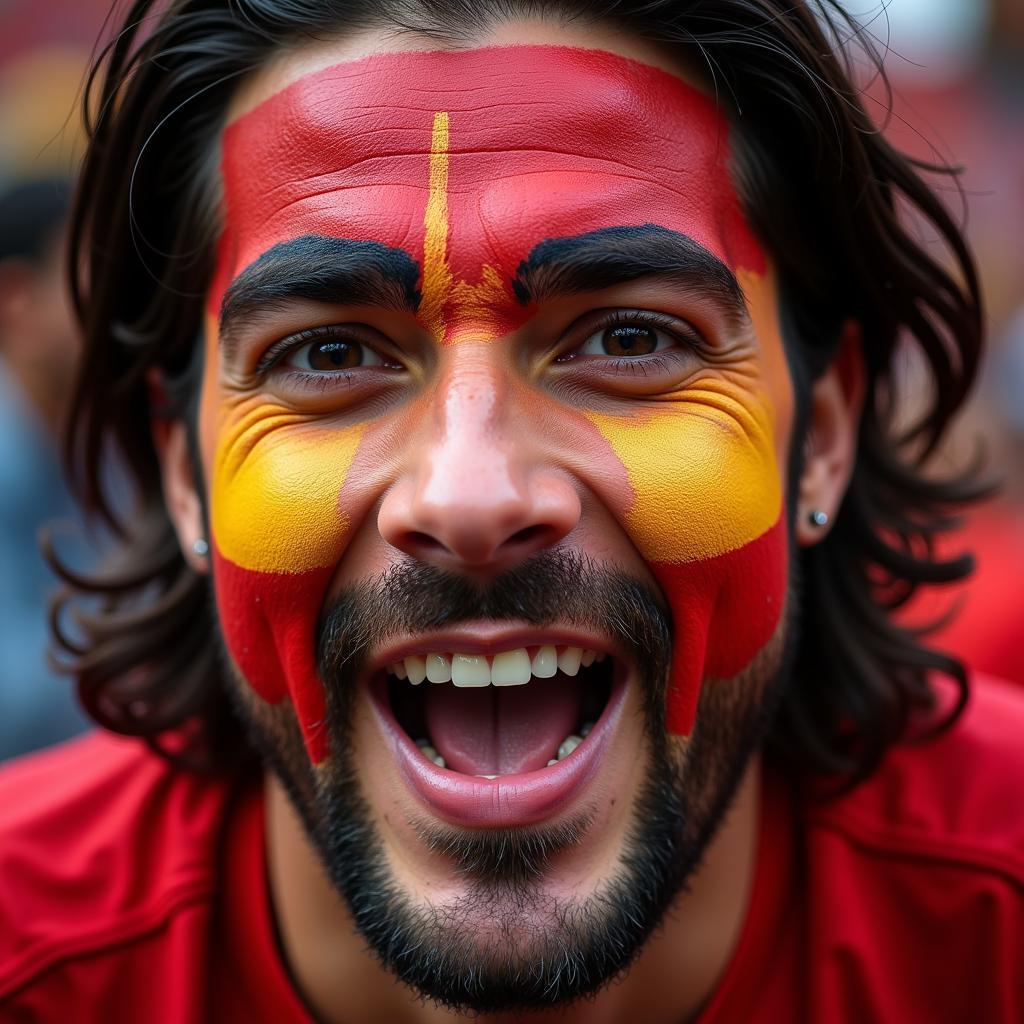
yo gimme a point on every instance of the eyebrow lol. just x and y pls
(336, 270)
(610, 256)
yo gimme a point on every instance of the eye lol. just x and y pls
(622, 340)
(330, 355)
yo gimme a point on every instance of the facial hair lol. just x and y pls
(537, 951)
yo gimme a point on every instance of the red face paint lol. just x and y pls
(466, 161)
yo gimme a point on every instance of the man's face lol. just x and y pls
(495, 392)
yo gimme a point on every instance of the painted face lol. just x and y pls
(468, 191)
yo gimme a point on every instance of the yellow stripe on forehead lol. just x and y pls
(453, 311)
(703, 472)
(276, 487)
(437, 277)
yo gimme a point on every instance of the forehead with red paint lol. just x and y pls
(538, 142)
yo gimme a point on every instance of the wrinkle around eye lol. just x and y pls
(241, 438)
(751, 417)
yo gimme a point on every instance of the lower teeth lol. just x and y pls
(430, 753)
(565, 748)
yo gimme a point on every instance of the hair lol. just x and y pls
(831, 200)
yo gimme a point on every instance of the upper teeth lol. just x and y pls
(508, 668)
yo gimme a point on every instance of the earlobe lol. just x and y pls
(830, 445)
(181, 496)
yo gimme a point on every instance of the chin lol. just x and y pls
(510, 842)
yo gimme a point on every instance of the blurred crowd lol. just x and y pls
(957, 67)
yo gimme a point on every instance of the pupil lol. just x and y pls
(629, 340)
(334, 355)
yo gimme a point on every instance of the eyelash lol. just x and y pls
(280, 349)
(684, 333)
(633, 366)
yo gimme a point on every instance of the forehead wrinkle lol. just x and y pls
(306, 112)
(303, 93)
(333, 136)
(581, 172)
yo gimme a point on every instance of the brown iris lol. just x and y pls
(629, 340)
(335, 355)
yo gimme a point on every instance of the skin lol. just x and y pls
(473, 464)
(294, 453)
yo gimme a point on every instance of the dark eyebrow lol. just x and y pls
(336, 270)
(610, 256)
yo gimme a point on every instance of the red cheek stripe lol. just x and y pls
(726, 610)
(269, 622)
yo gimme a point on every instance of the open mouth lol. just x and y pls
(517, 711)
(499, 737)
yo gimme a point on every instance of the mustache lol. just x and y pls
(552, 586)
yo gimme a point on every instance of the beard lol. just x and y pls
(504, 943)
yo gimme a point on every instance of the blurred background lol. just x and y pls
(957, 68)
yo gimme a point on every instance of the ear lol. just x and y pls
(830, 446)
(170, 439)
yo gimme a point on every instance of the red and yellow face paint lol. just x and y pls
(467, 161)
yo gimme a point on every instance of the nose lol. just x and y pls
(478, 493)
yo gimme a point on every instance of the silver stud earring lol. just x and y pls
(817, 518)
(200, 547)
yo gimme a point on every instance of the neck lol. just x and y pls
(672, 978)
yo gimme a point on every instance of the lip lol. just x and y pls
(524, 798)
(488, 638)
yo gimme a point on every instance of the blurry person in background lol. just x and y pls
(38, 357)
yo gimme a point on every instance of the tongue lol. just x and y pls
(499, 730)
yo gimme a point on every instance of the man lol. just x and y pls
(518, 381)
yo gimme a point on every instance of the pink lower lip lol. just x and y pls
(510, 800)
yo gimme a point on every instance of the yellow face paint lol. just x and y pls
(725, 441)
(278, 531)
(276, 484)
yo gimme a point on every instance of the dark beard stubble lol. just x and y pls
(579, 946)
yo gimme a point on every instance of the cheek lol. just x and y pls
(726, 610)
(707, 515)
(278, 532)
(269, 626)
(275, 500)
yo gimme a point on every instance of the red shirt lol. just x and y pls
(132, 892)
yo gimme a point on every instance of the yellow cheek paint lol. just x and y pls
(762, 297)
(275, 496)
(278, 531)
(703, 472)
(707, 516)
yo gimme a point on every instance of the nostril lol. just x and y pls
(423, 542)
(528, 535)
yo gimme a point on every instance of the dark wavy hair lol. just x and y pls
(828, 196)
